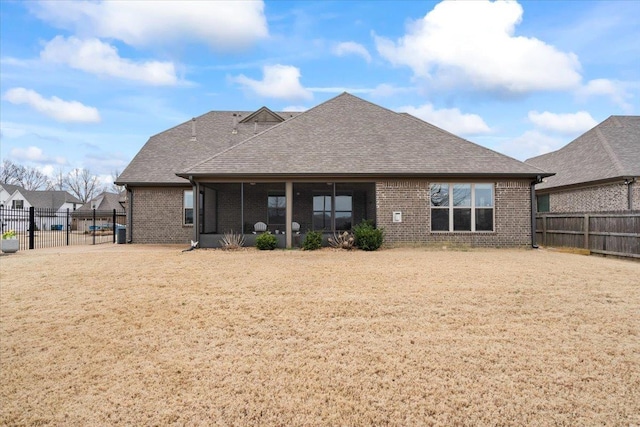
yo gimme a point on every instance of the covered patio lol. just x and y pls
(327, 206)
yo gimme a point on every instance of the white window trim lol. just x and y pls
(473, 208)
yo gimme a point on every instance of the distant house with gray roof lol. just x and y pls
(596, 172)
(98, 212)
(326, 169)
(48, 204)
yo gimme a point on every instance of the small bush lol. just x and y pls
(266, 241)
(312, 241)
(368, 237)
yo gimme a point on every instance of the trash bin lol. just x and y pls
(121, 234)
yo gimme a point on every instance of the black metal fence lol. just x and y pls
(46, 228)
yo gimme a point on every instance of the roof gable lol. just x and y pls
(350, 136)
(610, 150)
(263, 115)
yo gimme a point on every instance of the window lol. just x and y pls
(17, 204)
(461, 207)
(322, 212)
(188, 208)
(543, 203)
(277, 210)
(326, 208)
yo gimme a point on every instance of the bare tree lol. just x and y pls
(113, 187)
(27, 177)
(9, 172)
(83, 184)
(59, 181)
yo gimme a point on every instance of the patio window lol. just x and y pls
(461, 207)
(323, 212)
(277, 209)
(188, 207)
(17, 204)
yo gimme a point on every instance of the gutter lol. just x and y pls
(534, 210)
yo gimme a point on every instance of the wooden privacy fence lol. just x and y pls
(602, 233)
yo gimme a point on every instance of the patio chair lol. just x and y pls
(259, 227)
(295, 227)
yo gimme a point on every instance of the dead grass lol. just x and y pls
(148, 335)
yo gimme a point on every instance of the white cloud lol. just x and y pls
(97, 57)
(62, 111)
(450, 119)
(295, 108)
(530, 144)
(473, 44)
(36, 155)
(352, 48)
(570, 123)
(225, 25)
(279, 81)
(384, 90)
(612, 89)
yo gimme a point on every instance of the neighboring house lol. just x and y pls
(327, 169)
(49, 206)
(596, 172)
(104, 204)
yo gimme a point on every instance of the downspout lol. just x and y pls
(630, 182)
(534, 210)
(130, 191)
(196, 209)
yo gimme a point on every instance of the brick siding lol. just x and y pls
(157, 215)
(512, 215)
(601, 198)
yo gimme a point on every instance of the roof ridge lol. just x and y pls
(260, 133)
(607, 147)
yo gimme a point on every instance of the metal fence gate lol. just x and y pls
(46, 228)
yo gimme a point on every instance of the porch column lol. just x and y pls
(288, 193)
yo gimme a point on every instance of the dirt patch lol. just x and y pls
(149, 335)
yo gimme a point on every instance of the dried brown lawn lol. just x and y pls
(148, 335)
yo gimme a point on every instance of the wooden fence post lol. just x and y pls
(586, 231)
(544, 230)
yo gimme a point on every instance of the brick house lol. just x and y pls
(596, 172)
(327, 169)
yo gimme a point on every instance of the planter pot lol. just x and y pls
(10, 246)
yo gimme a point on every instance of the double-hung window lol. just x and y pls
(187, 208)
(462, 207)
(17, 204)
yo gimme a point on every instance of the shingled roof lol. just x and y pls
(609, 151)
(180, 147)
(345, 136)
(348, 136)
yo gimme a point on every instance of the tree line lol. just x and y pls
(79, 182)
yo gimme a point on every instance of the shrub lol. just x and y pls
(266, 241)
(232, 240)
(312, 241)
(368, 237)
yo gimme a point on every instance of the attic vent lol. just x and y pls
(235, 124)
(193, 129)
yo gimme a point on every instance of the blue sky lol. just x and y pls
(85, 84)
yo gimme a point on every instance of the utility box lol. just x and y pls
(121, 235)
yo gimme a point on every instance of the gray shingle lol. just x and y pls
(350, 136)
(608, 151)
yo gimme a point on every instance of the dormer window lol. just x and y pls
(17, 204)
